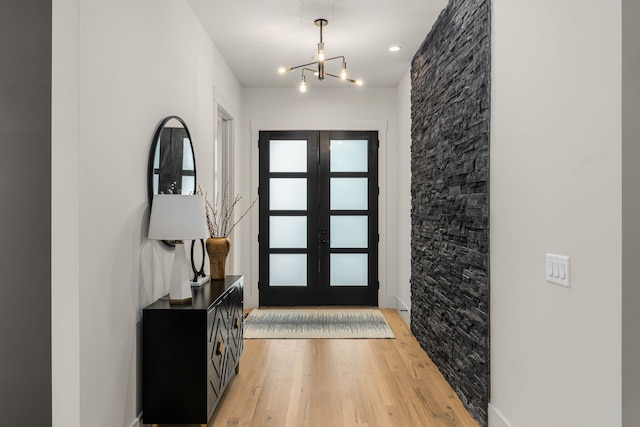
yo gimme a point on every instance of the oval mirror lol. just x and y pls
(172, 164)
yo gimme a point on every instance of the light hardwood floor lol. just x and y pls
(340, 383)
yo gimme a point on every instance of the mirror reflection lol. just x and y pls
(173, 169)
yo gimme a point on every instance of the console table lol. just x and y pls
(190, 353)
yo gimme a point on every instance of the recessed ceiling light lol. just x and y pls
(394, 48)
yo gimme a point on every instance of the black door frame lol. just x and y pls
(349, 295)
(318, 290)
(287, 295)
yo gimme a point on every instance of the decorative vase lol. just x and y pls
(218, 249)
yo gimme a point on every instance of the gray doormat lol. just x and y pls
(316, 323)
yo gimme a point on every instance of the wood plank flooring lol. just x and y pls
(340, 383)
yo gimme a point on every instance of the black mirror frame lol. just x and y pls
(154, 147)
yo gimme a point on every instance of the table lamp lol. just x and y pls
(178, 217)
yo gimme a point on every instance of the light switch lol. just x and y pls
(558, 270)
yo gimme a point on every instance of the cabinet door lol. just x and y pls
(226, 308)
(235, 331)
(174, 347)
(216, 354)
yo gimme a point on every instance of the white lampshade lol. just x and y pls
(178, 217)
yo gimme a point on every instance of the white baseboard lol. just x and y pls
(386, 301)
(401, 306)
(251, 301)
(496, 419)
(404, 310)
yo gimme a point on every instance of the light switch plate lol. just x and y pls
(558, 270)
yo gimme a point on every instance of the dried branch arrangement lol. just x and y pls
(220, 215)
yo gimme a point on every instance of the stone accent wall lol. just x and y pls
(450, 199)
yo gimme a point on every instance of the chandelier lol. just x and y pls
(319, 70)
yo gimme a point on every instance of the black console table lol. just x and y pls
(190, 353)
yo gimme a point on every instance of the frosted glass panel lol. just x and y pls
(187, 156)
(349, 232)
(288, 270)
(288, 232)
(287, 156)
(349, 194)
(348, 269)
(288, 194)
(156, 179)
(348, 155)
(188, 185)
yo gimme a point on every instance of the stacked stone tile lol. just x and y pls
(450, 199)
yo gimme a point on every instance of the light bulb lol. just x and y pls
(303, 84)
(394, 48)
(283, 70)
(359, 82)
(343, 71)
(321, 52)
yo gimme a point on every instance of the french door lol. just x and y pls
(318, 218)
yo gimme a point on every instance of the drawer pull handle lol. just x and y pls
(219, 347)
(236, 323)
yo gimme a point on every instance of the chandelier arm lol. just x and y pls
(314, 63)
(338, 77)
(303, 65)
(355, 82)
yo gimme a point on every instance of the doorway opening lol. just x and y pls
(318, 231)
(223, 159)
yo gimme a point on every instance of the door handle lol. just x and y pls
(324, 241)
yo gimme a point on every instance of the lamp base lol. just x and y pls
(181, 294)
(201, 281)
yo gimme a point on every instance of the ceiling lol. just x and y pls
(257, 36)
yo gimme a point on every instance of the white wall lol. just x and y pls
(556, 187)
(403, 190)
(65, 215)
(130, 64)
(349, 108)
